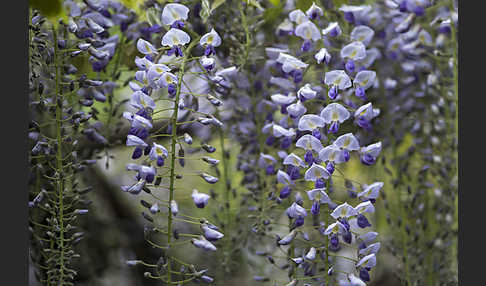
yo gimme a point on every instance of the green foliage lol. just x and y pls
(303, 4)
(52, 9)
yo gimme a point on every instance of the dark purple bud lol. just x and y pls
(309, 158)
(403, 6)
(270, 170)
(155, 28)
(306, 45)
(298, 222)
(345, 223)
(362, 245)
(160, 161)
(172, 89)
(334, 32)
(349, 16)
(146, 151)
(137, 153)
(285, 192)
(286, 142)
(350, 66)
(334, 127)
(360, 93)
(330, 167)
(333, 92)
(320, 183)
(316, 133)
(364, 275)
(363, 123)
(298, 76)
(270, 140)
(283, 108)
(150, 177)
(294, 172)
(368, 160)
(346, 155)
(419, 10)
(334, 241)
(177, 24)
(348, 237)
(445, 29)
(363, 221)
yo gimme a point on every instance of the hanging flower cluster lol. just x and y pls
(311, 148)
(165, 70)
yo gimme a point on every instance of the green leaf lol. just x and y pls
(205, 10)
(153, 17)
(51, 9)
(275, 2)
(255, 3)
(303, 4)
(216, 4)
(135, 5)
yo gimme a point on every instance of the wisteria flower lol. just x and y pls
(309, 143)
(295, 211)
(318, 197)
(294, 160)
(353, 52)
(211, 234)
(170, 81)
(314, 12)
(323, 55)
(344, 211)
(364, 207)
(306, 92)
(145, 47)
(158, 153)
(334, 114)
(364, 114)
(347, 143)
(350, 11)
(285, 28)
(174, 14)
(286, 180)
(141, 100)
(372, 248)
(267, 162)
(288, 238)
(355, 281)
(311, 122)
(336, 80)
(371, 192)
(210, 41)
(333, 155)
(363, 80)
(200, 199)
(292, 66)
(298, 17)
(208, 63)
(362, 34)
(175, 38)
(370, 153)
(296, 110)
(333, 30)
(309, 32)
(318, 174)
(203, 243)
(155, 72)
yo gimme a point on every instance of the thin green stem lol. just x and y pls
(174, 124)
(59, 166)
